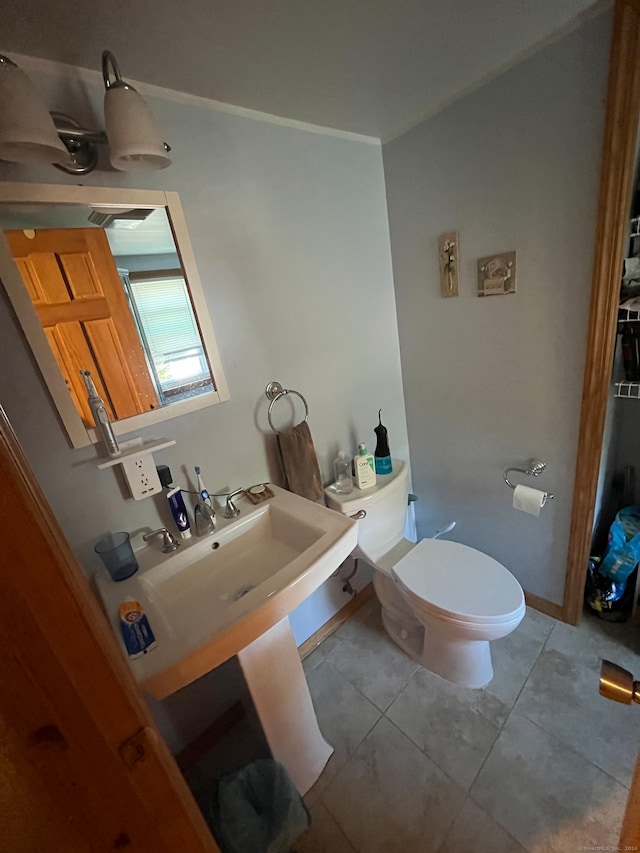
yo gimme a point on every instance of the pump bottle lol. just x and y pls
(365, 468)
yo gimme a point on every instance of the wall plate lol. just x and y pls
(497, 274)
(141, 475)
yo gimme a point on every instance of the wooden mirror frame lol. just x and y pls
(617, 171)
(79, 435)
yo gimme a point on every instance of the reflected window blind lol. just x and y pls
(166, 315)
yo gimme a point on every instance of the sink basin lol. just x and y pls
(251, 554)
(215, 595)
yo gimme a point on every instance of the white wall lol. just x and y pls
(491, 382)
(290, 233)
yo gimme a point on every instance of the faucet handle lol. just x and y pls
(169, 541)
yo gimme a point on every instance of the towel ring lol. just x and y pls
(274, 392)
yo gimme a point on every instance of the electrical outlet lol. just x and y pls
(142, 477)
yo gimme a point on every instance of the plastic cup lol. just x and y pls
(116, 553)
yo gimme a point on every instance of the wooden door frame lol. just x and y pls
(75, 728)
(617, 170)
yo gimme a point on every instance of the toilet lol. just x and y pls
(442, 602)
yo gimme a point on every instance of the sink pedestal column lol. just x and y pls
(275, 678)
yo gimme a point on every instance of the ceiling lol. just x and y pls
(374, 67)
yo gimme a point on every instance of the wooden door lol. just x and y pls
(618, 161)
(72, 280)
(82, 765)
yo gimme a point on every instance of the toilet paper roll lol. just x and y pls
(529, 500)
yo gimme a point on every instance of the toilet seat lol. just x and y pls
(459, 584)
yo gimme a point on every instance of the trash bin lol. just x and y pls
(610, 587)
(257, 809)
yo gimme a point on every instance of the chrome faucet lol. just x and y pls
(169, 541)
(230, 509)
(204, 516)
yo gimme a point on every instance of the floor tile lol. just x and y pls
(365, 620)
(324, 834)
(549, 798)
(320, 653)
(514, 656)
(595, 639)
(455, 726)
(390, 798)
(562, 697)
(369, 658)
(475, 831)
(345, 717)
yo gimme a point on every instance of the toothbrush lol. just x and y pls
(204, 494)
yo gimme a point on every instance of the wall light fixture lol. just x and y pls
(29, 133)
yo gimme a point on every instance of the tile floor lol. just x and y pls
(537, 761)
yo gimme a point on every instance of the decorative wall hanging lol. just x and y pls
(497, 274)
(449, 248)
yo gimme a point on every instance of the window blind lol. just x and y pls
(166, 314)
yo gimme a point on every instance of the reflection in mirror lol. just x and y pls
(108, 288)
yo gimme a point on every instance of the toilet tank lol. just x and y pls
(385, 505)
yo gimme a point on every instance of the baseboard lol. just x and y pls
(544, 606)
(336, 621)
(309, 645)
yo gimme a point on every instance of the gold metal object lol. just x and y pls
(617, 684)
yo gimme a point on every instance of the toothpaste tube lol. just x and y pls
(136, 631)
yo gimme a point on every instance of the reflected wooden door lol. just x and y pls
(72, 280)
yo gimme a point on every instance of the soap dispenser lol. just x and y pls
(365, 468)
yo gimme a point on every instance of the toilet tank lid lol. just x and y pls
(359, 498)
(460, 580)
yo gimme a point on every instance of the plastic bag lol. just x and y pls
(623, 549)
(257, 809)
(608, 599)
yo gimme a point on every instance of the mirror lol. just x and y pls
(105, 280)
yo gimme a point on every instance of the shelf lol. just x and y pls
(629, 390)
(135, 451)
(626, 315)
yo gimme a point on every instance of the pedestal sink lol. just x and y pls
(230, 594)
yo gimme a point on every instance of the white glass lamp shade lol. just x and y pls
(133, 137)
(27, 131)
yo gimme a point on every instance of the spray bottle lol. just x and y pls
(101, 416)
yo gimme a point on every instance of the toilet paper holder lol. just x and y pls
(534, 468)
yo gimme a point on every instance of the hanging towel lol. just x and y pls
(300, 462)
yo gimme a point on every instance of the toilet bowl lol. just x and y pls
(442, 602)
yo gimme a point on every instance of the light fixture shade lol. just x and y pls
(27, 131)
(133, 137)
